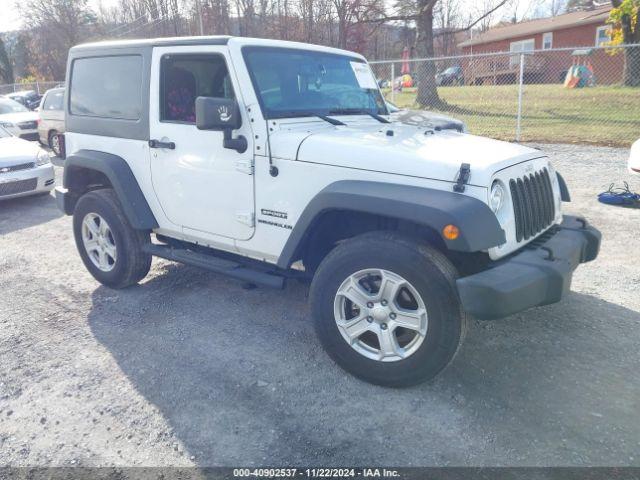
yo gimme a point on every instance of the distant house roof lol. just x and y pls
(531, 27)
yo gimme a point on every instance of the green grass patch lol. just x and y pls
(602, 115)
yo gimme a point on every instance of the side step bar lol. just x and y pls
(215, 264)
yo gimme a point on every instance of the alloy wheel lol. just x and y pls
(380, 315)
(99, 242)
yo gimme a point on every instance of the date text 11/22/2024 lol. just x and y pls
(315, 472)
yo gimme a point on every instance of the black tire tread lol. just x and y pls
(384, 241)
(136, 263)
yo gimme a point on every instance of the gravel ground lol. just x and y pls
(188, 368)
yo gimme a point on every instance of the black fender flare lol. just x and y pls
(120, 176)
(479, 227)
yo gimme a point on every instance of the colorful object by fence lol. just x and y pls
(580, 73)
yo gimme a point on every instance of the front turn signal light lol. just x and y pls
(450, 232)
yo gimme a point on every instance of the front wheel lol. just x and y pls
(386, 309)
(110, 248)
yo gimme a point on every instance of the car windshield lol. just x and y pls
(11, 106)
(296, 83)
(451, 70)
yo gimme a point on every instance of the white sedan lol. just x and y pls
(634, 158)
(18, 120)
(25, 168)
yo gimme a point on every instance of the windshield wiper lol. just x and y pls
(295, 113)
(358, 111)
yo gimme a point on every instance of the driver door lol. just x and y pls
(202, 186)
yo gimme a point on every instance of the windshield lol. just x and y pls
(291, 82)
(10, 106)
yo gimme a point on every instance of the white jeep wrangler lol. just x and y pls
(264, 160)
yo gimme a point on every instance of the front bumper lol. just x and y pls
(31, 181)
(539, 274)
(65, 201)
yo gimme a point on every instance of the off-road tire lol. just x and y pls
(429, 272)
(132, 263)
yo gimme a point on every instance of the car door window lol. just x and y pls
(187, 77)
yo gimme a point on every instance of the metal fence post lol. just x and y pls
(520, 88)
(393, 76)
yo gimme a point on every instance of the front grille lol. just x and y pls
(16, 168)
(533, 203)
(20, 186)
(28, 125)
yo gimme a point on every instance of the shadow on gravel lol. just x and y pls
(26, 212)
(241, 379)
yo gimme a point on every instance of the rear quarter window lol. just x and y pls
(53, 101)
(107, 87)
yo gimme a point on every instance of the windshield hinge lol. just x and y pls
(245, 165)
(463, 177)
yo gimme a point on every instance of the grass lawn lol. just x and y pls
(603, 115)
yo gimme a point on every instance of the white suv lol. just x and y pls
(265, 160)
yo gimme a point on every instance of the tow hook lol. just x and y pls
(582, 221)
(549, 256)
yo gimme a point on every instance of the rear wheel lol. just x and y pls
(54, 142)
(386, 309)
(110, 248)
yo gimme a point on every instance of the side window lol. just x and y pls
(186, 77)
(53, 101)
(107, 87)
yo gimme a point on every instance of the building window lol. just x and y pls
(519, 47)
(602, 35)
(547, 40)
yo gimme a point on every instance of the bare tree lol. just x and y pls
(6, 68)
(55, 26)
(422, 13)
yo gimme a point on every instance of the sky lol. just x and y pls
(10, 16)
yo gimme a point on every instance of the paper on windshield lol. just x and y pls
(363, 75)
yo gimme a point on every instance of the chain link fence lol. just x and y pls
(568, 95)
(38, 87)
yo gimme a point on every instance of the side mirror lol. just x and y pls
(213, 113)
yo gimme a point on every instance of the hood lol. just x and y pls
(19, 117)
(400, 149)
(14, 151)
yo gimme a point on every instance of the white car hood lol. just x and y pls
(14, 151)
(410, 150)
(19, 117)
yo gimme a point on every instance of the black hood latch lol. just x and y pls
(463, 178)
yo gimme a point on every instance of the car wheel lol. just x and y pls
(386, 309)
(54, 142)
(110, 248)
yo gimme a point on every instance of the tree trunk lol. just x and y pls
(630, 35)
(425, 73)
(631, 72)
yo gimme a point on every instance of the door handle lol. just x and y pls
(159, 144)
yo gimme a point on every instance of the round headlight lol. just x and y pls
(42, 158)
(496, 197)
